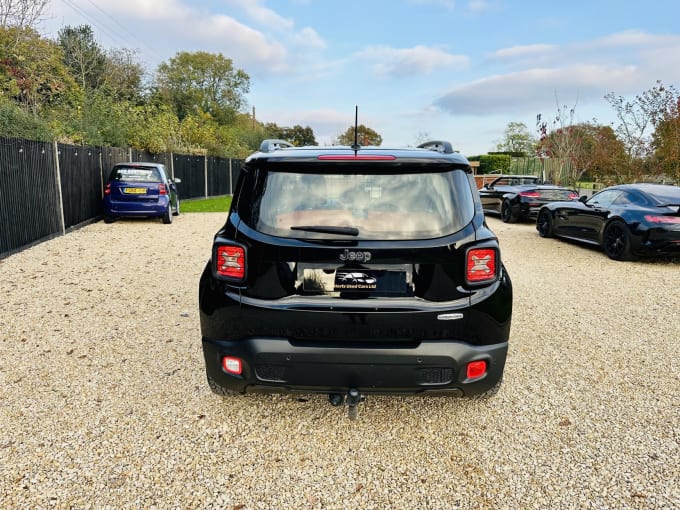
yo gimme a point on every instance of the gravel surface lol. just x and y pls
(104, 403)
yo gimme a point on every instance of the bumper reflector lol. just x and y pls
(476, 369)
(232, 365)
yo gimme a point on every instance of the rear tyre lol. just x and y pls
(108, 219)
(616, 241)
(544, 224)
(167, 216)
(507, 214)
(176, 211)
(218, 389)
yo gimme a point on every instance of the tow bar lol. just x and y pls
(353, 398)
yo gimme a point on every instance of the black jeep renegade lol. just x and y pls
(349, 271)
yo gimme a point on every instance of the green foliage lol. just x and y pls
(492, 163)
(202, 82)
(365, 136)
(18, 123)
(518, 140)
(297, 135)
(83, 56)
(32, 71)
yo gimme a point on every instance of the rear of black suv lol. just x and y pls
(360, 271)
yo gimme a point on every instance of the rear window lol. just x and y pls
(379, 206)
(136, 174)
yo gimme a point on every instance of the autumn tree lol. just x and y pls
(32, 72)
(297, 135)
(83, 55)
(518, 139)
(365, 136)
(124, 75)
(202, 82)
(21, 13)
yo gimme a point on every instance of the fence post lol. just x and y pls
(231, 188)
(172, 166)
(101, 172)
(60, 195)
(205, 172)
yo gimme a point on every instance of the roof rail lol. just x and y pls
(438, 145)
(271, 145)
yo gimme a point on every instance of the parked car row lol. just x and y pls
(626, 221)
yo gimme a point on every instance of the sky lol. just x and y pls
(456, 70)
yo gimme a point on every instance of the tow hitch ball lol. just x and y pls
(352, 398)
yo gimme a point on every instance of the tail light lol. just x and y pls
(230, 262)
(662, 219)
(530, 194)
(573, 196)
(107, 189)
(481, 265)
(162, 190)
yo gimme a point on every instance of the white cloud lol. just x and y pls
(405, 62)
(261, 15)
(535, 89)
(532, 50)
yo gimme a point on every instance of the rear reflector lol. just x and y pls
(476, 369)
(481, 265)
(231, 262)
(232, 365)
(662, 219)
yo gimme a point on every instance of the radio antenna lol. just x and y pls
(356, 145)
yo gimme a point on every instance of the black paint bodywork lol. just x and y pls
(503, 196)
(415, 340)
(645, 216)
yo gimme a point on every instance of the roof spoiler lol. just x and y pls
(438, 145)
(271, 145)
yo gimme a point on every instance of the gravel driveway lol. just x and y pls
(104, 403)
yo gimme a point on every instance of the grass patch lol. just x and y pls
(215, 204)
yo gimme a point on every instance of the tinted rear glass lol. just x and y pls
(379, 206)
(136, 174)
(665, 194)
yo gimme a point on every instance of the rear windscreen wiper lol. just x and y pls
(323, 229)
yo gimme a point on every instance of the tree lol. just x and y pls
(563, 141)
(203, 82)
(297, 135)
(123, 75)
(663, 105)
(32, 72)
(83, 55)
(21, 13)
(518, 139)
(365, 136)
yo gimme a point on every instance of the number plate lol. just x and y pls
(134, 191)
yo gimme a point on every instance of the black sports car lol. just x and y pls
(519, 197)
(626, 221)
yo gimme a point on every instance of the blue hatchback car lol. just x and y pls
(140, 190)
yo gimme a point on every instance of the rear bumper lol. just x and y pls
(133, 209)
(276, 365)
